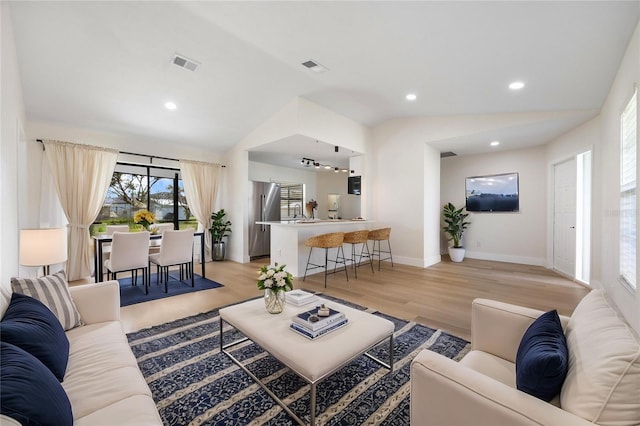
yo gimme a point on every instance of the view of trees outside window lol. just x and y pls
(291, 200)
(131, 192)
(161, 201)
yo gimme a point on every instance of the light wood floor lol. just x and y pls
(439, 296)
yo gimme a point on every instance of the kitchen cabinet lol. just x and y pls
(355, 166)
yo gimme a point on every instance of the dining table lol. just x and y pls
(98, 250)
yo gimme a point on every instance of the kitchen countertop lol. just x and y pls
(288, 239)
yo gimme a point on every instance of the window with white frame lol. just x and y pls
(628, 185)
(291, 200)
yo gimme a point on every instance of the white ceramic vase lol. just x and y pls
(456, 254)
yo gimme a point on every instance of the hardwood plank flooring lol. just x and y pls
(439, 296)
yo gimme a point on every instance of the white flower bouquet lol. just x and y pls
(275, 278)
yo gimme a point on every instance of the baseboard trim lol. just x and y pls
(411, 261)
(430, 261)
(535, 261)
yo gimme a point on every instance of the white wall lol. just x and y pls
(128, 143)
(603, 135)
(236, 202)
(396, 183)
(262, 172)
(507, 237)
(405, 180)
(432, 184)
(12, 158)
(607, 185)
(322, 124)
(336, 183)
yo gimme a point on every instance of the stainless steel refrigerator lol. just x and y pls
(265, 207)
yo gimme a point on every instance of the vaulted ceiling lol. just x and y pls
(107, 65)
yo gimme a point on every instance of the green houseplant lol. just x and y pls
(220, 228)
(455, 225)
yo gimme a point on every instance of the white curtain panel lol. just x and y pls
(201, 183)
(51, 212)
(82, 175)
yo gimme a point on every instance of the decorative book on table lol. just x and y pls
(300, 297)
(303, 319)
(319, 333)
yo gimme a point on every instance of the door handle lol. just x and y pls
(572, 227)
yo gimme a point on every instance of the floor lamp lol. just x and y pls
(43, 247)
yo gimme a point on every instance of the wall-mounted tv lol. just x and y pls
(354, 185)
(493, 193)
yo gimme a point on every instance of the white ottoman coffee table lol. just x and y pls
(313, 360)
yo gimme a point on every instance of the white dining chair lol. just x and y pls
(154, 245)
(161, 227)
(129, 252)
(106, 247)
(116, 228)
(176, 248)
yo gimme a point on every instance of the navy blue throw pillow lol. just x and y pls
(30, 325)
(31, 394)
(542, 359)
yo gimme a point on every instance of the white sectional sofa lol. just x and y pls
(102, 381)
(602, 385)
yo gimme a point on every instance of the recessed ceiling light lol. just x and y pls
(170, 106)
(516, 85)
(495, 143)
(411, 97)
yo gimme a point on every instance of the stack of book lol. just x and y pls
(312, 326)
(300, 297)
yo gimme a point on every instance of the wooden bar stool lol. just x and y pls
(379, 235)
(326, 241)
(354, 238)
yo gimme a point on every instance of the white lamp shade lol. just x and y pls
(41, 247)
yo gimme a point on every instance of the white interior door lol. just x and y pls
(564, 218)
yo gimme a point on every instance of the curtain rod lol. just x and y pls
(151, 157)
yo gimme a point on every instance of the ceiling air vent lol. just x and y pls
(314, 66)
(447, 154)
(184, 62)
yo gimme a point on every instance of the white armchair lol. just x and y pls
(602, 386)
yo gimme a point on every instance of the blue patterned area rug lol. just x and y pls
(194, 384)
(132, 294)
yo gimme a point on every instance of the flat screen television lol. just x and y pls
(354, 185)
(493, 193)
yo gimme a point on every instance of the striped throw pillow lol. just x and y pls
(53, 292)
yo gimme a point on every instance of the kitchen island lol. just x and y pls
(288, 237)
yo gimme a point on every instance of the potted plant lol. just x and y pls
(220, 228)
(455, 224)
